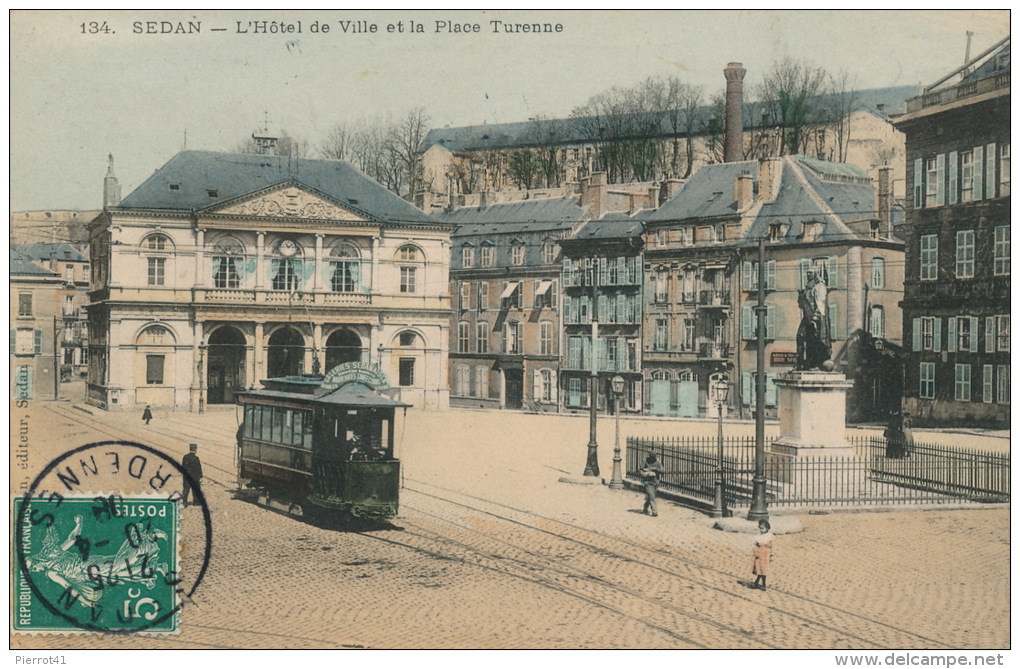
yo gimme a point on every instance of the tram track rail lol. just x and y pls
(568, 533)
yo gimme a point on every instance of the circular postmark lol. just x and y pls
(101, 544)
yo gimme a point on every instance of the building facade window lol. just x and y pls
(517, 254)
(545, 338)
(1004, 170)
(27, 341)
(154, 369)
(928, 334)
(967, 176)
(408, 253)
(285, 275)
(463, 337)
(548, 253)
(1001, 263)
(406, 372)
(408, 279)
(877, 324)
(467, 257)
(931, 181)
(225, 274)
(878, 273)
(482, 337)
(512, 338)
(929, 257)
(688, 339)
(1002, 383)
(157, 243)
(156, 271)
(927, 388)
(546, 386)
(25, 304)
(962, 383)
(987, 384)
(1002, 333)
(661, 278)
(964, 254)
(661, 340)
(488, 256)
(483, 296)
(346, 269)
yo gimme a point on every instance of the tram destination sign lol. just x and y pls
(355, 372)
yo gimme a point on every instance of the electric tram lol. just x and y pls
(322, 446)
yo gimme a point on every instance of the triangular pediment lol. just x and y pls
(287, 201)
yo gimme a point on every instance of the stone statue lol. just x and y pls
(814, 346)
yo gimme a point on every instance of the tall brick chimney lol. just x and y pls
(593, 195)
(733, 147)
(884, 203)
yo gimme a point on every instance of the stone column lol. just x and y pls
(201, 277)
(374, 270)
(260, 260)
(317, 275)
(259, 353)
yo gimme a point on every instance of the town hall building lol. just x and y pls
(222, 270)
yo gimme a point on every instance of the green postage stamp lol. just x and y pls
(100, 563)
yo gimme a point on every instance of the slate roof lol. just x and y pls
(546, 213)
(806, 195)
(707, 194)
(232, 175)
(882, 102)
(610, 227)
(58, 251)
(22, 265)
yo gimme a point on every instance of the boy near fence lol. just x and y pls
(650, 479)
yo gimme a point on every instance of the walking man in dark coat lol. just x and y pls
(193, 467)
(147, 414)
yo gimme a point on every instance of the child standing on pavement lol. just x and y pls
(650, 479)
(761, 554)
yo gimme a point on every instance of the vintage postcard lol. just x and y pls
(511, 329)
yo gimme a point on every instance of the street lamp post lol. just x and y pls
(720, 392)
(592, 465)
(616, 482)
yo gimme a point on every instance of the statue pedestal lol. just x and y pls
(811, 460)
(812, 415)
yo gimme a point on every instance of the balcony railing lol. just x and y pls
(713, 351)
(714, 298)
(959, 92)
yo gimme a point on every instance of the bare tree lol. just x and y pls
(406, 136)
(788, 91)
(677, 103)
(842, 100)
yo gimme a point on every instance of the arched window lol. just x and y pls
(227, 263)
(410, 253)
(877, 273)
(463, 337)
(345, 265)
(157, 248)
(287, 267)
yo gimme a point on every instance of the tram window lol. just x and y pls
(249, 411)
(277, 426)
(265, 414)
(384, 434)
(307, 435)
(296, 436)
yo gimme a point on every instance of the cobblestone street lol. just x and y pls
(491, 551)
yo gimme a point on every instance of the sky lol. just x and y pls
(85, 84)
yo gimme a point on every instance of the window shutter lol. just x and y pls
(770, 322)
(915, 335)
(805, 265)
(14, 340)
(974, 334)
(746, 387)
(745, 281)
(937, 346)
(940, 179)
(555, 389)
(834, 330)
(770, 275)
(38, 343)
(536, 388)
(989, 334)
(990, 171)
(979, 172)
(951, 344)
(832, 268)
(770, 390)
(918, 183)
(746, 324)
(954, 188)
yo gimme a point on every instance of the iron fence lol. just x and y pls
(875, 474)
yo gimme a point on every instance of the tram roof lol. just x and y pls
(351, 394)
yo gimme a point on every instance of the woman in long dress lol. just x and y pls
(761, 554)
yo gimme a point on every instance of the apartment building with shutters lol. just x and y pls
(956, 309)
